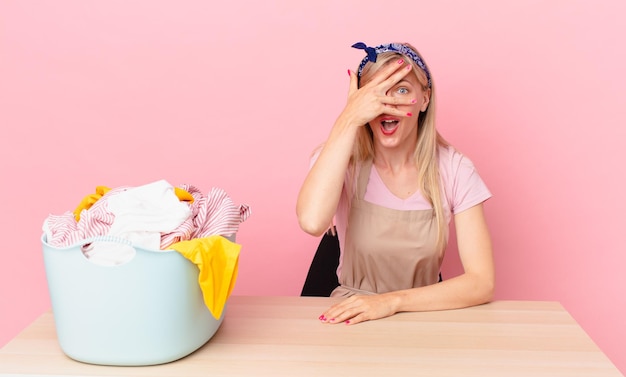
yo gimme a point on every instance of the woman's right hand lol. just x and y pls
(366, 103)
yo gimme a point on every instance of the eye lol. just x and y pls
(402, 90)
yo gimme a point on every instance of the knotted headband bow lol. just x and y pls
(371, 51)
(372, 55)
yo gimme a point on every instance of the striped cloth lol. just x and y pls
(213, 214)
(63, 230)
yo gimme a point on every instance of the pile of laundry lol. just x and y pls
(158, 217)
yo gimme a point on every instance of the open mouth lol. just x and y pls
(389, 126)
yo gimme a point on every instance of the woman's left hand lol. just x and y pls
(357, 309)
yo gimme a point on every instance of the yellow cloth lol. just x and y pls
(91, 199)
(183, 195)
(218, 261)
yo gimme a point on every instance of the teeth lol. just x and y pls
(389, 124)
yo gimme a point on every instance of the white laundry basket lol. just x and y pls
(147, 311)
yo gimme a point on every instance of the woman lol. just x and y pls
(392, 184)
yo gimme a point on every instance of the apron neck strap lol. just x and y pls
(363, 178)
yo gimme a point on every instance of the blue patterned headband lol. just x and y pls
(372, 55)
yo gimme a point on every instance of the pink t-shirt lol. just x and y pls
(463, 189)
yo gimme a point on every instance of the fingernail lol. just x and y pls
(400, 61)
(321, 318)
(414, 101)
(408, 67)
(347, 322)
(349, 73)
(409, 114)
(332, 320)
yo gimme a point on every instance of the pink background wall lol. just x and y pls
(236, 95)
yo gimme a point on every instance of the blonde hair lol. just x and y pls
(426, 150)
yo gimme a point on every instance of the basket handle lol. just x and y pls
(119, 254)
(112, 239)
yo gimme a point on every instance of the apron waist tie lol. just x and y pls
(346, 291)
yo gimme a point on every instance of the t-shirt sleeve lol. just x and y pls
(314, 156)
(464, 186)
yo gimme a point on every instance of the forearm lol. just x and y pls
(321, 190)
(458, 292)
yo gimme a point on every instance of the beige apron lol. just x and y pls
(387, 249)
